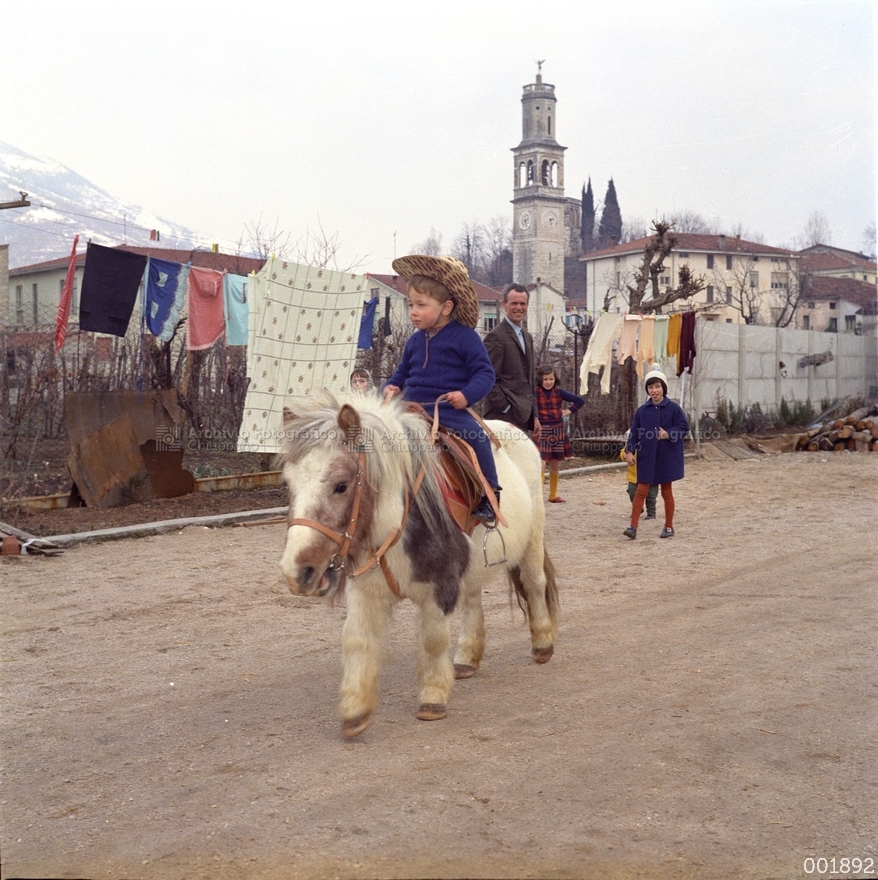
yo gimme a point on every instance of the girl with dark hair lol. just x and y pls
(554, 442)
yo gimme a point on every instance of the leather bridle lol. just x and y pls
(339, 560)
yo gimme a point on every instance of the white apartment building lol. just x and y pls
(745, 282)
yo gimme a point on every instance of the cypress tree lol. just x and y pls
(587, 230)
(611, 219)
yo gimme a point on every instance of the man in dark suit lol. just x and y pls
(511, 349)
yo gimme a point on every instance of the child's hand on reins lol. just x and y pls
(457, 399)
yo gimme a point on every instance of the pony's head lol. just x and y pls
(336, 454)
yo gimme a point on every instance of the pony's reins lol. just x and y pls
(377, 557)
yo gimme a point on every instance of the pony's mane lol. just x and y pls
(396, 442)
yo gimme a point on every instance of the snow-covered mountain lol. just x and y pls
(64, 203)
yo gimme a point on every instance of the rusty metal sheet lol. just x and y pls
(88, 411)
(108, 468)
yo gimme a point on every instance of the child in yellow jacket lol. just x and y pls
(632, 487)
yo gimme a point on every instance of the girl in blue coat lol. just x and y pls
(656, 435)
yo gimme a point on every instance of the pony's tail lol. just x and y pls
(552, 603)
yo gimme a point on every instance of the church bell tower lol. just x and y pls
(538, 203)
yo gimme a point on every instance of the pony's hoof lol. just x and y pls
(543, 655)
(431, 712)
(464, 670)
(355, 726)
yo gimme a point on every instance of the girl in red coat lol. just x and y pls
(555, 443)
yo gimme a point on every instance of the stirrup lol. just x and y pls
(493, 530)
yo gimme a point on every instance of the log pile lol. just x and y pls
(857, 432)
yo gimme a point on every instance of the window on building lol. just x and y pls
(490, 322)
(710, 293)
(728, 295)
(850, 323)
(728, 261)
(728, 320)
(754, 280)
(806, 322)
(665, 279)
(780, 281)
(810, 305)
(710, 261)
(36, 305)
(832, 327)
(19, 304)
(684, 256)
(832, 305)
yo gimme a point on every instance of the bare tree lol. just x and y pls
(787, 293)
(869, 241)
(817, 230)
(497, 269)
(431, 246)
(469, 247)
(738, 230)
(265, 241)
(647, 277)
(318, 248)
(634, 228)
(744, 294)
(690, 222)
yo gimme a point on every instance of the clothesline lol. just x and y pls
(645, 338)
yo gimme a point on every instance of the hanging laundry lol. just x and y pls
(367, 323)
(387, 329)
(304, 322)
(687, 343)
(660, 340)
(675, 323)
(645, 350)
(162, 281)
(600, 350)
(628, 339)
(206, 319)
(181, 295)
(237, 312)
(66, 299)
(110, 283)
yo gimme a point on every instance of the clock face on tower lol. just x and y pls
(524, 220)
(551, 219)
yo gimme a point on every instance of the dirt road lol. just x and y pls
(168, 708)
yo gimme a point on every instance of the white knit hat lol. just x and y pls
(656, 373)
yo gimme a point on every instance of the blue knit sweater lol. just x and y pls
(454, 359)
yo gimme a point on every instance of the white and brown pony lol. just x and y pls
(367, 516)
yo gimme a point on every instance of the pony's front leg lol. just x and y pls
(362, 639)
(471, 641)
(435, 672)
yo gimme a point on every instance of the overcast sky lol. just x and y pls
(380, 121)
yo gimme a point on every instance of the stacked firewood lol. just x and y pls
(858, 431)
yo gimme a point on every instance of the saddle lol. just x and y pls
(460, 478)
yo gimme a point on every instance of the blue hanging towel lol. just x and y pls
(237, 309)
(367, 322)
(162, 279)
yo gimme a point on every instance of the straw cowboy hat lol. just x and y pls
(448, 271)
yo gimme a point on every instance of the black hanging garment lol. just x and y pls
(109, 289)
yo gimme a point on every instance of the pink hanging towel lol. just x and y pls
(628, 340)
(206, 318)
